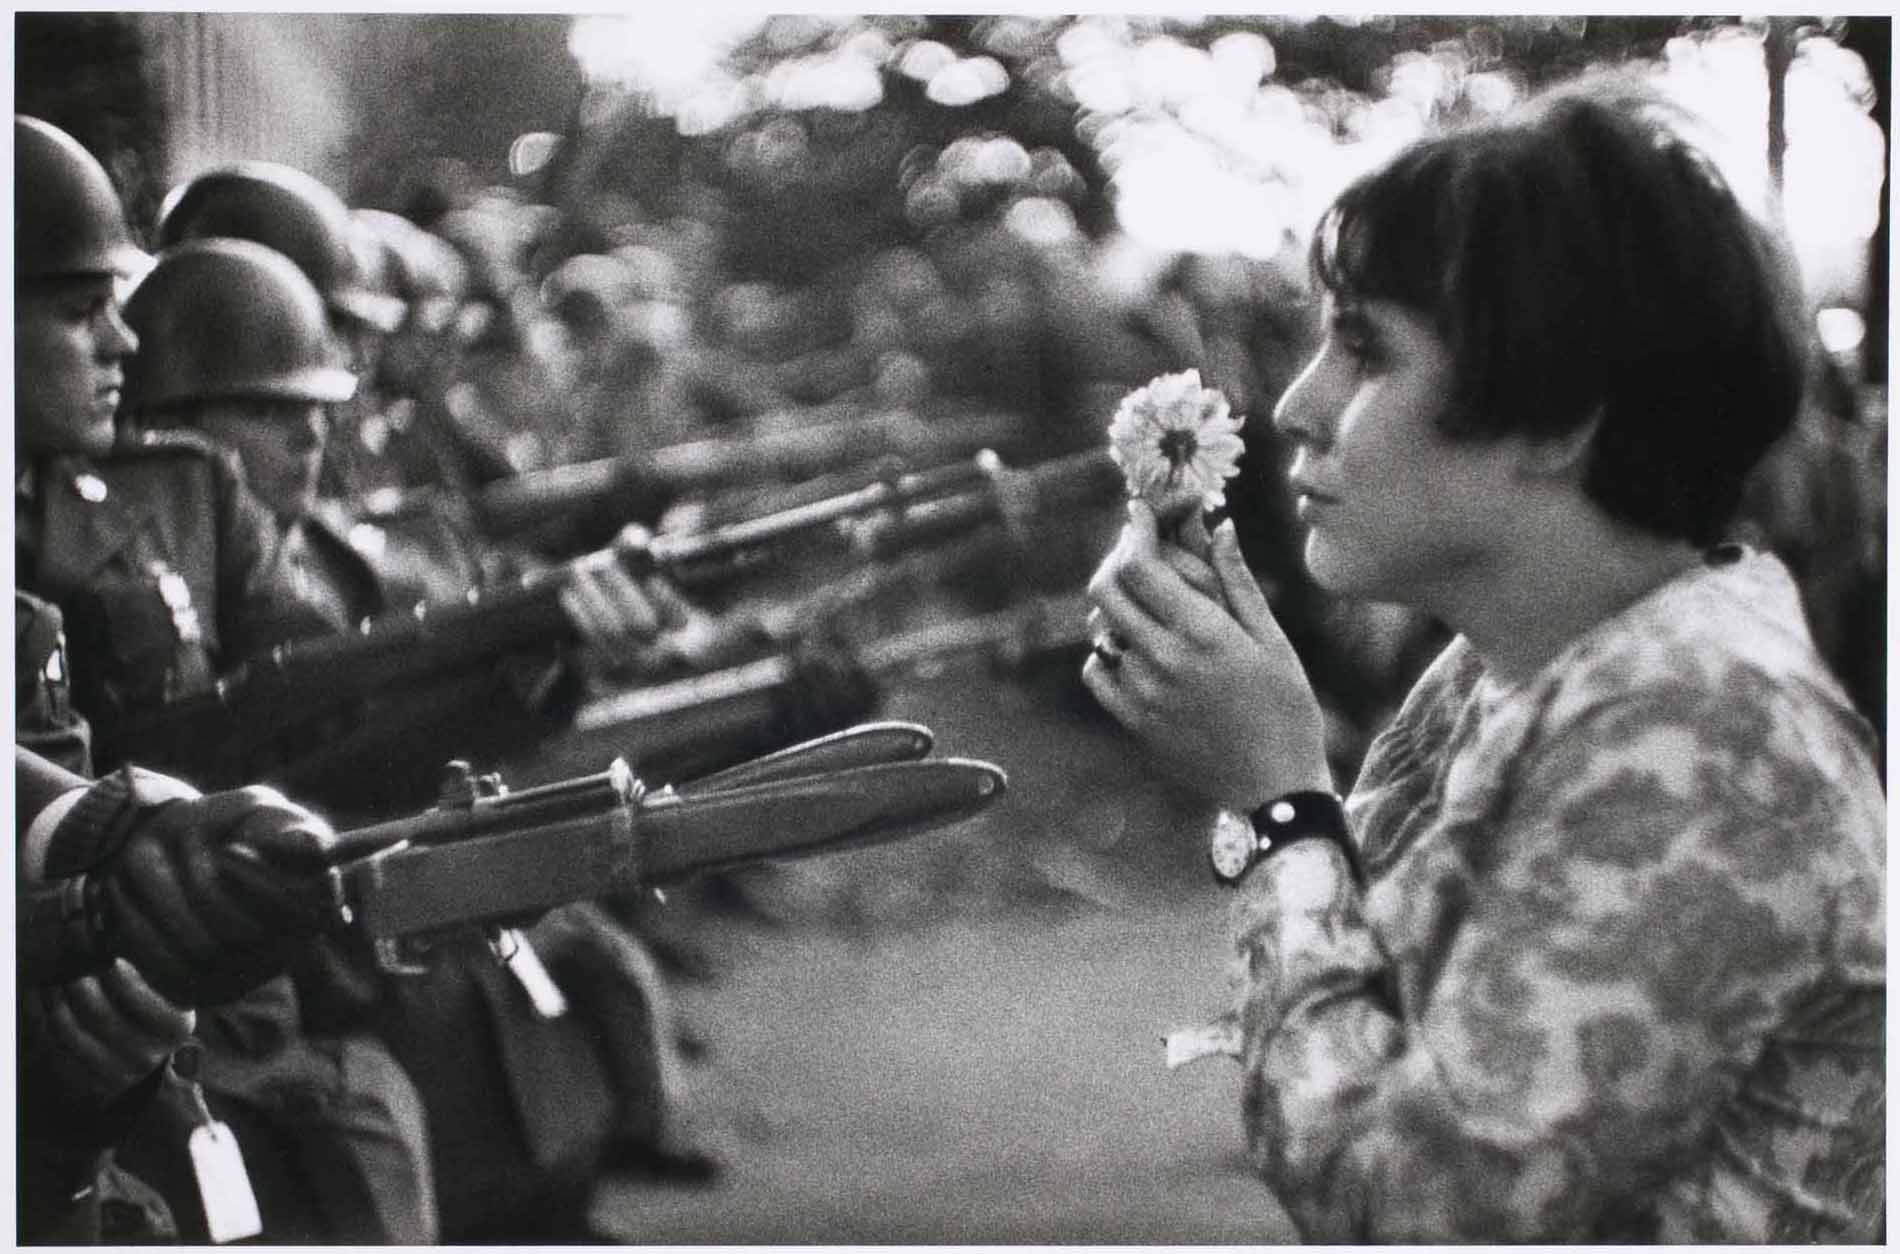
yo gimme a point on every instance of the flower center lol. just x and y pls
(1179, 447)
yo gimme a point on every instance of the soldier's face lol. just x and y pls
(280, 443)
(69, 351)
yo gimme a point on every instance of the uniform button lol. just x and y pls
(90, 487)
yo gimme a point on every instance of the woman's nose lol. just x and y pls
(1305, 409)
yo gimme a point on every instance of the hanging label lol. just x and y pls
(224, 1184)
(549, 1002)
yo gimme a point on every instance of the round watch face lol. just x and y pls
(1231, 846)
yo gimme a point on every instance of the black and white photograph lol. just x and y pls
(726, 627)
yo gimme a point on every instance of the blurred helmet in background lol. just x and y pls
(282, 208)
(67, 219)
(229, 319)
(423, 269)
(589, 292)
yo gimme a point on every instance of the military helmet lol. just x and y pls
(424, 269)
(228, 319)
(283, 208)
(67, 219)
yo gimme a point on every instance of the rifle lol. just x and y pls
(620, 489)
(701, 720)
(488, 858)
(300, 682)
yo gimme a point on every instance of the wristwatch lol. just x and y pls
(1239, 841)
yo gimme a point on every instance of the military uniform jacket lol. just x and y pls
(166, 568)
(386, 753)
(44, 719)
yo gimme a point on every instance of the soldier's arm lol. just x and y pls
(88, 1046)
(206, 895)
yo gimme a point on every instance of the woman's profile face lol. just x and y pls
(1394, 510)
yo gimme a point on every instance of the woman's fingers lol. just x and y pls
(1200, 619)
(1242, 591)
(1124, 620)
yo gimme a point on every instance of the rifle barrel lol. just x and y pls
(1013, 497)
(301, 681)
(520, 503)
(1039, 624)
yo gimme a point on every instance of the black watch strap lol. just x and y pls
(1309, 815)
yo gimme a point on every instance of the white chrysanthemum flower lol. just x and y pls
(1176, 444)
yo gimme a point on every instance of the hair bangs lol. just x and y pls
(1379, 239)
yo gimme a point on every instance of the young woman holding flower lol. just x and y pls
(1595, 950)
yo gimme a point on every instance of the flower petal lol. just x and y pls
(1176, 442)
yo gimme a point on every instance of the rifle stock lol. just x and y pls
(210, 735)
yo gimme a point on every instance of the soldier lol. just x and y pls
(414, 438)
(107, 861)
(165, 569)
(234, 345)
(290, 211)
(236, 350)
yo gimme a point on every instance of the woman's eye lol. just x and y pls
(1361, 350)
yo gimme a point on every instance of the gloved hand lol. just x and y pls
(617, 616)
(95, 1037)
(829, 690)
(208, 896)
(642, 626)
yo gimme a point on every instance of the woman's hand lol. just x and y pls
(1205, 679)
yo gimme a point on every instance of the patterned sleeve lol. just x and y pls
(1605, 962)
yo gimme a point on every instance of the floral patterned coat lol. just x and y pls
(1619, 973)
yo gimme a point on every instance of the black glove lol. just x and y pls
(92, 1038)
(828, 690)
(208, 896)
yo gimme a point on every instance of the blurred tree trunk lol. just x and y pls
(1778, 54)
(1872, 39)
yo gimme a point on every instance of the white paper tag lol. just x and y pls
(546, 995)
(230, 1206)
(1222, 1037)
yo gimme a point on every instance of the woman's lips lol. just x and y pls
(1310, 500)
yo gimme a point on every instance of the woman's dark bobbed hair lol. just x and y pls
(1579, 257)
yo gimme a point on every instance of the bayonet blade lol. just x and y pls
(864, 745)
(683, 835)
(579, 850)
